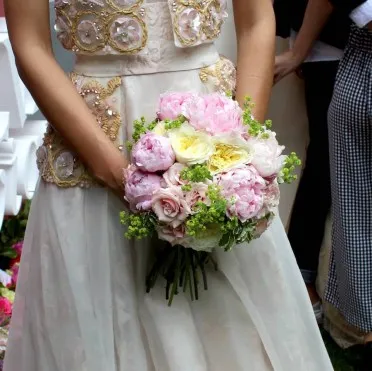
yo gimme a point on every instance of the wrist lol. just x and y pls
(298, 55)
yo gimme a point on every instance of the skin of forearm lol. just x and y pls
(316, 16)
(256, 51)
(63, 107)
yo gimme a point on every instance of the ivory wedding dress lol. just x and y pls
(81, 303)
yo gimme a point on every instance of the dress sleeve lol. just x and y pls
(362, 15)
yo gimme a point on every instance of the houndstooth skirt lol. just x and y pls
(350, 134)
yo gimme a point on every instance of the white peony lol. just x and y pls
(267, 155)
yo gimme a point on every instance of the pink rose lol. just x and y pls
(271, 198)
(153, 153)
(5, 307)
(172, 235)
(139, 188)
(267, 155)
(170, 206)
(244, 188)
(173, 175)
(215, 114)
(198, 193)
(172, 105)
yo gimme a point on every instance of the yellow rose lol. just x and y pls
(230, 152)
(190, 146)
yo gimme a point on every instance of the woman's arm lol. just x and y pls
(28, 25)
(255, 30)
(316, 16)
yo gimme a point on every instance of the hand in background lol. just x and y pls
(285, 64)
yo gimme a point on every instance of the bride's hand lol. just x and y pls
(109, 170)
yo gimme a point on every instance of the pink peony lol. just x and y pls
(215, 114)
(172, 105)
(173, 175)
(5, 307)
(267, 155)
(172, 235)
(139, 188)
(153, 153)
(170, 206)
(244, 188)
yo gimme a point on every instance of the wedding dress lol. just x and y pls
(81, 303)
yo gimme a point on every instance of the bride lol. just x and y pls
(80, 301)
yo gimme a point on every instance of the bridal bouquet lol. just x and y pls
(203, 175)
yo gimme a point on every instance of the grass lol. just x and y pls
(343, 360)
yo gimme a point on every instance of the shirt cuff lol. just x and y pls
(362, 15)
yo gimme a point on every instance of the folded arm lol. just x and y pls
(255, 30)
(28, 25)
(316, 16)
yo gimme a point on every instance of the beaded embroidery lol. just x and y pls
(119, 26)
(222, 76)
(197, 21)
(97, 25)
(56, 163)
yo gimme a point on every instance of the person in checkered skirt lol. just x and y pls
(350, 132)
(349, 287)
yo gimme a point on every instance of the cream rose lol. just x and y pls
(230, 153)
(190, 146)
(159, 129)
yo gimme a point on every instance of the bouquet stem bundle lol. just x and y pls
(183, 269)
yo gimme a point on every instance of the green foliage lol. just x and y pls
(205, 215)
(139, 128)
(287, 173)
(236, 232)
(186, 187)
(255, 128)
(174, 124)
(13, 231)
(139, 225)
(151, 125)
(196, 173)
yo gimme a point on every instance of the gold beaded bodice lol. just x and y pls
(104, 27)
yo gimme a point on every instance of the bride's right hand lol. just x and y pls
(109, 170)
